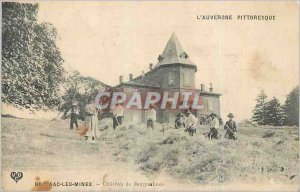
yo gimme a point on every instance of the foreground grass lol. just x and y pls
(261, 154)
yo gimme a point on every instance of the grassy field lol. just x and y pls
(261, 154)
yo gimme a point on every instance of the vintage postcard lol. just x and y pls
(150, 96)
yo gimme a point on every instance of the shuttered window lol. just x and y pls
(171, 79)
(186, 79)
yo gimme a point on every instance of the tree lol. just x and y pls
(275, 113)
(77, 91)
(260, 110)
(31, 62)
(291, 107)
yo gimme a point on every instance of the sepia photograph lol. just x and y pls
(150, 96)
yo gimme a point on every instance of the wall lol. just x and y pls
(161, 75)
(189, 73)
(211, 104)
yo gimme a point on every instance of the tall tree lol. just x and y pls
(260, 110)
(275, 113)
(77, 91)
(291, 107)
(31, 61)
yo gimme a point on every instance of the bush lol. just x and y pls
(174, 138)
(153, 165)
(170, 158)
(146, 151)
(268, 134)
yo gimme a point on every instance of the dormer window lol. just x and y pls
(184, 55)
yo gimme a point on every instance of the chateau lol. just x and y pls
(174, 72)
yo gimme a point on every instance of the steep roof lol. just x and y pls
(173, 53)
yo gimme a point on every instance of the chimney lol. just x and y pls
(202, 87)
(130, 76)
(121, 79)
(211, 89)
(151, 66)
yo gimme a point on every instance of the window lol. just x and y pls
(184, 55)
(171, 79)
(186, 79)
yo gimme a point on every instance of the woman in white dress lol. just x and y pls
(91, 121)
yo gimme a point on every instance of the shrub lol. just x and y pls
(146, 151)
(174, 138)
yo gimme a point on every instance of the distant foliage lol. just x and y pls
(31, 61)
(291, 107)
(275, 113)
(260, 109)
(77, 91)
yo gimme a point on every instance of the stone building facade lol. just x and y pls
(173, 72)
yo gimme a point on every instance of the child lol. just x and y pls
(151, 116)
(74, 115)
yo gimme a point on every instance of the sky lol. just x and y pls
(107, 39)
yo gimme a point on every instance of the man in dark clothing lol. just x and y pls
(74, 114)
(180, 121)
(230, 127)
(118, 114)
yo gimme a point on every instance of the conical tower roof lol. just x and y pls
(173, 53)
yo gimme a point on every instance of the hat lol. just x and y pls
(230, 115)
(213, 114)
(74, 104)
(119, 102)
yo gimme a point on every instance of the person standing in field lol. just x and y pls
(74, 115)
(118, 114)
(180, 120)
(214, 126)
(230, 127)
(91, 121)
(151, 116)
(191, 123)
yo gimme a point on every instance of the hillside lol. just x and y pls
(263, 155)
